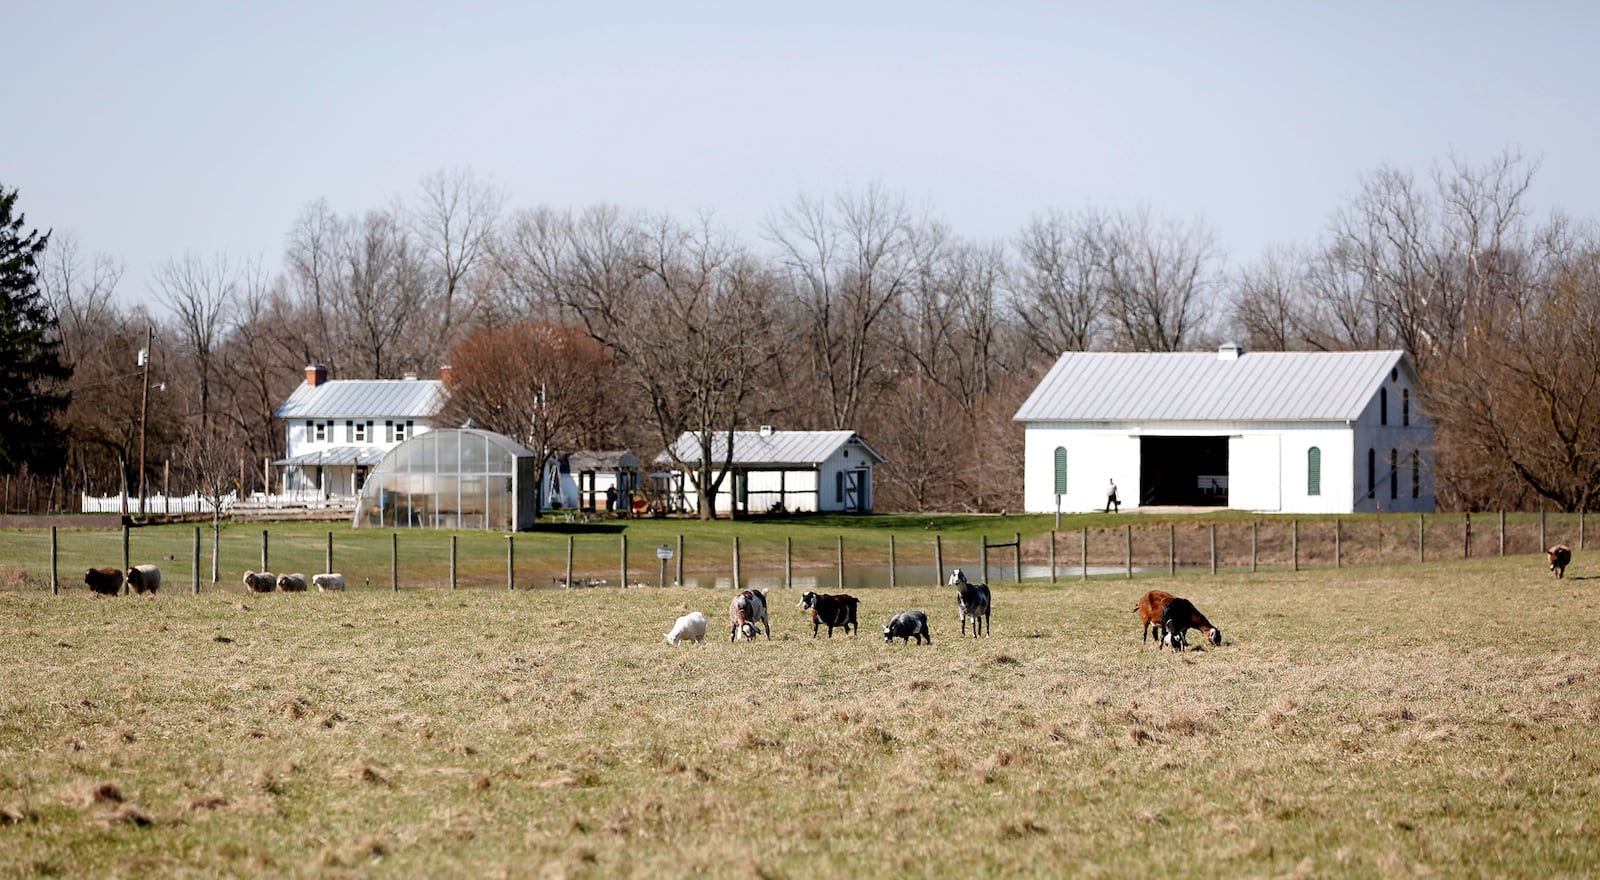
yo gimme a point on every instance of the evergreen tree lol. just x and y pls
(32, 375)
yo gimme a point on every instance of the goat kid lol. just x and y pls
(746, 608)
(973, 601)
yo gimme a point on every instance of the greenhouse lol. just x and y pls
(452, 478)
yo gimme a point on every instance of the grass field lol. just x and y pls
(1372, 721)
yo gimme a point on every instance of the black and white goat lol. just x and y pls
(973, 601)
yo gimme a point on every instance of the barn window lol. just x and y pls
(1061, 470)
(1313, 471)
(838, 487)
(1416, 475)
(1405, 407)
(1383, 406)
(1372, 472)
(1394, 474)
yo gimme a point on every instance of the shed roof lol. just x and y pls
(336, 456)
(1202, 386)
(756, 448)
(604, 460)
(365, 398)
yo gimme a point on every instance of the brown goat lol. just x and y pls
(1153, 606)
(1560, 557)
(104, 581)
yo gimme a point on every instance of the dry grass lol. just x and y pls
(1433, 719)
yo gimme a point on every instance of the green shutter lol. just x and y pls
(1061, 470)
(1313, 471)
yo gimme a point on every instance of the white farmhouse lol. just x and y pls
(795, 471)
(339, 429)
(1290, 432)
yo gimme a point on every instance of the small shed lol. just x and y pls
(772, 471)
(453, 478)
(595, 481)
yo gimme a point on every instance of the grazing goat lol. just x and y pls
(747, 607)
(144, 579)
(1152, 610)
(104, 581)
(328, 582)
(1560, 558)
(260, 581)
(689, 628)
(1179, 617)
(1172, 636)
(973, 602)
(292, 583)
(833, 610)
(906, 626)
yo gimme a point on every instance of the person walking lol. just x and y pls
(1111, 497)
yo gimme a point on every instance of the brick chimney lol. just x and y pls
(316, 374)
(444, 374)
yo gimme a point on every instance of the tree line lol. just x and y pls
(605, 328)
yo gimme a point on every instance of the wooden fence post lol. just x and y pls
(680, 561)
(568, 583)
(891, 562)
(452, 562)
(624, 582)
(1213, 548)
(264, 565)
(1128, 548)
(394, 562)
(983, 561)
(1016, 538)
(1053, 534)
(938, 558)
(1421, 532)
(1172, 550)
(125, 549)
(1085, 557)
(1255, 534)
(329, 559)
(1336, 548)
(1294, 545)
(840, 546)
(55, 559)
(1502, 533)
(195, 568)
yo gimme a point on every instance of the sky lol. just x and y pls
(153, 130)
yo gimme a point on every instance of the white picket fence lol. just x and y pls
(161, 504)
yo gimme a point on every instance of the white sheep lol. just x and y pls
(691, 627)
(328, 582)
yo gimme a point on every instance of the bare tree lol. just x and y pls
(1270, 306)
(847, 263)
(455, 221)
(1160, 278)
(384, 298)
(200, 295)
(1060, 284)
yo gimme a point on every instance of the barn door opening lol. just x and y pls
(1183, 471)
(853, 490)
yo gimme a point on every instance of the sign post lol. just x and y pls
(663, 553)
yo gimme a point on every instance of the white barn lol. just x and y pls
(1282, 432)
(338, 430)
(803, 471)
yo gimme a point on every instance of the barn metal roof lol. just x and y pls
(1202, 386)
(366, 398)
(755, 448)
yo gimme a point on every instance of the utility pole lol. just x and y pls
(144, 406)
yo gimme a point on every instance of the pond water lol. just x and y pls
(867, 577)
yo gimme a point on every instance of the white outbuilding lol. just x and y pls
(771, 470)
(1280, 432)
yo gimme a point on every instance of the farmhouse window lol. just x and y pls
(349, 430)
(1394, 474)
(1314, 471)
(320, 431)
(388, 431)
(1061, 470)
(363, 431)
(310, 429)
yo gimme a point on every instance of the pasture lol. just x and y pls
(1436, 718)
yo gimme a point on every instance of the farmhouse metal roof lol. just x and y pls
(1203, 386)
(336, 456)
(756, 448)
(366, 398)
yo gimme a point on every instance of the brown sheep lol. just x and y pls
(104, 581)
(1560, 557)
